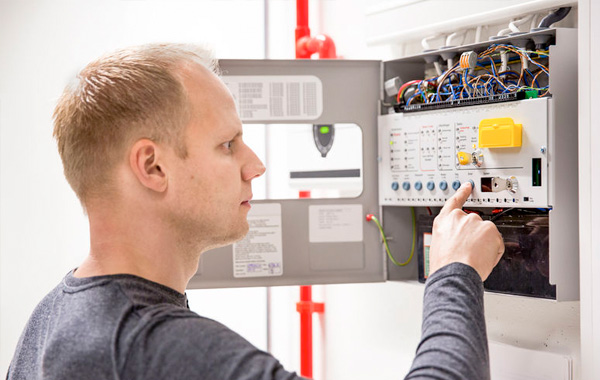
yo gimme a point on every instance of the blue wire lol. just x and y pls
(493, 65)
(537, 85)
(411, 98)
(458, 89)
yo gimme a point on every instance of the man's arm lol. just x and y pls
(453, 342)
(464, 250)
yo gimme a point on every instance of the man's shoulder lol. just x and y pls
(180, 344)
(107, 291)
(167, 322)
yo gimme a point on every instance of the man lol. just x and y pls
(152, 146)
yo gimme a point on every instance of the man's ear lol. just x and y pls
(147, 164)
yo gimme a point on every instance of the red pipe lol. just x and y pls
(322, 44)
(306, 307)
(302, 29)
(306, 45)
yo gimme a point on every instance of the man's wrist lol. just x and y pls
(455, 269)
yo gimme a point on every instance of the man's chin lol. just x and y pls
(233, 238)
(243, 232)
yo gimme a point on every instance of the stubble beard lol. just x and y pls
(229, 235)
(197, 235)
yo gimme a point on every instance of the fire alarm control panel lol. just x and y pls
(395, 140)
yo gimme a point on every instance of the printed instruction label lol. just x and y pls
(259, 254)
(335, 223)
(276, 97)
(429, 145)
(446, 146)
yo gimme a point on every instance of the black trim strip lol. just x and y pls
(348, 173)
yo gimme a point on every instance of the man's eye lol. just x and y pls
(228, 144)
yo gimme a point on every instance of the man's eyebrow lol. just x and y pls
(228, 136)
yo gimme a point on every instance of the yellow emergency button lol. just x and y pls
(464, 158)
(500, 132)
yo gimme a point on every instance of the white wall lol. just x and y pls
(369, 331)
(43, 44)
(589, 182)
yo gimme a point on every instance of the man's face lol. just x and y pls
(212, 185)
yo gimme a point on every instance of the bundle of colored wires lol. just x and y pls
(372, 217)
(482, 80)
(403, 89)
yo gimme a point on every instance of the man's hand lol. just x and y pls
(464, 238)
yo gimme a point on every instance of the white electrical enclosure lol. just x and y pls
(417, 156)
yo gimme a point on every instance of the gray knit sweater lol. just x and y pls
(126, 327)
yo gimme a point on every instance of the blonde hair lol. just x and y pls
(121, 97)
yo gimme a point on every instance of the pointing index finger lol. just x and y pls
(458, 200)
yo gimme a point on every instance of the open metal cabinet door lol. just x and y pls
(306, 241)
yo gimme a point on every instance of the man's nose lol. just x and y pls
(253, 168)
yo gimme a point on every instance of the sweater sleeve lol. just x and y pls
(454, 341)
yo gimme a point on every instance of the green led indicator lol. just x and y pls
(324, 130)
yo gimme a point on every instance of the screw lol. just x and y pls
(543, 149)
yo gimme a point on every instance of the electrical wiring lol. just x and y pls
(483, 79)
(501, 212)
(404, 87)
(514, 25)
(371, 217)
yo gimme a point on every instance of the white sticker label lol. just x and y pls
(335, 223)
(273, 97)
(259, 254)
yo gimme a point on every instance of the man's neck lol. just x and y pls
(136, 245)
(99, 264)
